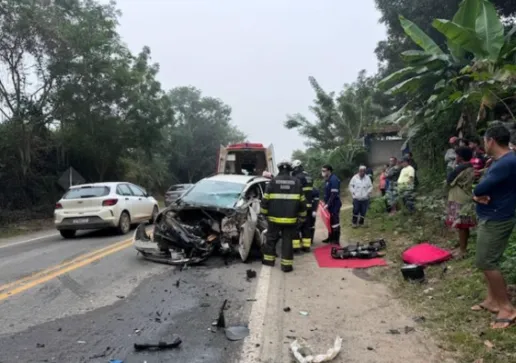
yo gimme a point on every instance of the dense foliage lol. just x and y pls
(72, 94)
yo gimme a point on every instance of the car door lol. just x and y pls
(129, 200)
(140, 204)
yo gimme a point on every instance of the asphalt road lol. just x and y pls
(89, 299)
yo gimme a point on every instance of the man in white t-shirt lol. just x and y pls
(360, 188)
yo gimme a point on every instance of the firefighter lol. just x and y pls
(284, 206)
(307, 184)
(315, 205)
(332, 203)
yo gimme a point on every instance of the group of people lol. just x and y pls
(290, 205)
(482, 193)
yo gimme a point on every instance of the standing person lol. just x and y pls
(332, 203)
(495, 196)
(449, 157)
(413, 164)
(406, 184)
(461, 214)
(383, 180)
(391, 177)
(307, 185)
(360, 188)
(284, 206)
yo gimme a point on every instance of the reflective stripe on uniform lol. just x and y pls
(266, 196)
(264, 211)
(302, 198)
(284, 196)
(269, 258)
(335, 225)
(309, 206)
(307, 189)
(296, 243)
(334, 190)
(302, 214)
(286, 262)
(282, 220)
(306, 242)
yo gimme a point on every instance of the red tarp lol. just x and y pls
(324, 259)
(325, 216)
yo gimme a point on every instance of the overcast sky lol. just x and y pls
(256, 55)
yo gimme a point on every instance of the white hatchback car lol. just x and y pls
(103, 205)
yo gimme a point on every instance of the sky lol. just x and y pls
(256, 56)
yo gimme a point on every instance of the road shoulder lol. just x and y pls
(374, 326)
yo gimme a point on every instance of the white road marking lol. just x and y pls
(252, 344)
(27, 241)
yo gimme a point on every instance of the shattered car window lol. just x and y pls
(214, 192)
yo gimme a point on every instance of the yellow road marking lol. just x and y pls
(41, 277)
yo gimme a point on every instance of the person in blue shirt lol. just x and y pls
(495, 196)
(332, 203)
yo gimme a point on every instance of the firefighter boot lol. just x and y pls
(287, 265)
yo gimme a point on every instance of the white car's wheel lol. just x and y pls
(124, 224)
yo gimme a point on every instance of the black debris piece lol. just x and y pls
(394, 331)
(205, 305)
(409, 329)
(234, 333)
(221, 321)
(158, 346)
(251, 274)
(286, 309)
(39, 345)
(370, 348)
(177, 283)
(419, 319)
(120, 296)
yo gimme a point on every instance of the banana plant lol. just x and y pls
(475, 69)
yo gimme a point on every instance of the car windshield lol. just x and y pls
(216, 193)
(87, 192)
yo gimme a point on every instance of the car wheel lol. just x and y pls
(67, 233)
(124, 224)
(155, 212)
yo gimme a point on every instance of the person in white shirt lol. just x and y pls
(360, 188)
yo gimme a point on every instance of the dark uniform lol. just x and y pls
(333, 202)
(303, 238)
(284, 205)
(315, 205)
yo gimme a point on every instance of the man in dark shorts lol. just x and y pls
(495, 196)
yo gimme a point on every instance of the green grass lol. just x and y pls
(446, 298)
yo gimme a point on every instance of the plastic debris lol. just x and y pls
(159, 346)
(303, 354)
(251, 274)
(116, 361)
(235, 333)
(304, 313)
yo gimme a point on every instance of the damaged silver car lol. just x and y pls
(219, 214)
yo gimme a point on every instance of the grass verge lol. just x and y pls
(451, 289)
(17, 229)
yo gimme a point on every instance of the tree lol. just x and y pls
(476, 69)
(203, 124)
(340, 121)
(421, 12)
